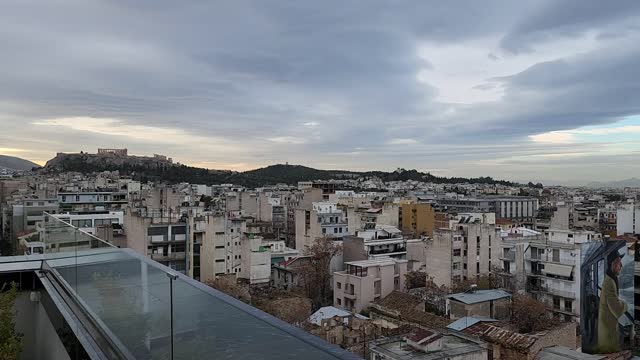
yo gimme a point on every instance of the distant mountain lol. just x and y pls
(15, 163)
(633, 182)
(148, 169)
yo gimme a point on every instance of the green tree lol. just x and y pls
(10, 341)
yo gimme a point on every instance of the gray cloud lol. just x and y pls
(252, 74)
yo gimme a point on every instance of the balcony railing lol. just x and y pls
(169, 257)
(123, 305)
(508, 255)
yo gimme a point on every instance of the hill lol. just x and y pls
(633, 182)
(16, 163)
(148, 169)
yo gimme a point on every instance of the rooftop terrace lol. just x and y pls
(121, 305)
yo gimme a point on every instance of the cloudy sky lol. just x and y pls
(539, 90)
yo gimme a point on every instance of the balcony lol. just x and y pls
(175, 256)
(121, 305)
(553, 291)
(508, 255)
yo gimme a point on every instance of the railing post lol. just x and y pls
(172, 277)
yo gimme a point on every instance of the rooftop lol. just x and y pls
(119, 304)
(329, 312)
(468, 321)
(452, 347)
(477, 296)
(374, 262)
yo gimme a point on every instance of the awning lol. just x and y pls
(557, 269)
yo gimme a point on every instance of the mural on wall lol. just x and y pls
(607, 293)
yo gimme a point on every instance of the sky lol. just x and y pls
(527, 91)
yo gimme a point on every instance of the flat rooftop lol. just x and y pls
(453, 346)
(374, 262)
(477, 296)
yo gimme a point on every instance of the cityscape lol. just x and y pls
(371, 180)
(382, 265)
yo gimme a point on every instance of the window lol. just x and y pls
(556, 255)
(340, 230)
(568, 305)
(464, 266)
(489, 240)
(81, 223)
(324, 230)
(556, 302)
(456, 266)
(339, 285)
(456, 252)
(478, 268)
(178, 248)
(219, 260)
(335, 230)
(339, 301)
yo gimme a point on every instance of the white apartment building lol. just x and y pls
(89, 222)
(91, 201)
(464, 251)
(324, 219)
(547, 265)
(628, 219)
(363, 282)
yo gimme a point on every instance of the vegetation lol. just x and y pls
(415, 279)
(275, 174)
(530, 315)
(316, 274)
(10, 341)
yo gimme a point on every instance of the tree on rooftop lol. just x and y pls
(415, 279)
(530, 315)
(316, 273)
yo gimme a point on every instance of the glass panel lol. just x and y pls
(207, 327)
(130, 298)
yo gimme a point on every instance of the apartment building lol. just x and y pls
(227, 248)
(29, 212)
(416, 219)
(363, 282)
(324, 219)
(547, 265)
(608, 220)
(373, 242)
(294, 201)
(463, 251)
(158, 234)
(510, 207)
(90, 222)
(91, 201)
(628, 219)
(359, 215)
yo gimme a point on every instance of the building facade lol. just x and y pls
(366, 281)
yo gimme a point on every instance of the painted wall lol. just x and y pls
(607, 297)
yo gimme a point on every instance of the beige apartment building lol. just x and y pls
(363, 282)
(323, 219)
(464, 251)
